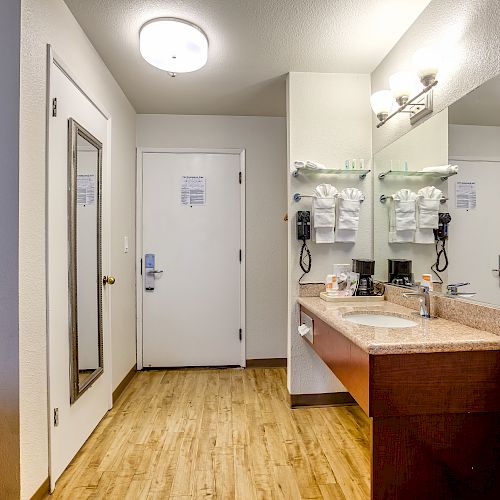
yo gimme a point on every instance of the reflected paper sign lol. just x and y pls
(85, 187)
(193, 190)
(466, 195)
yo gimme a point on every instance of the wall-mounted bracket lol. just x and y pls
(423, 106)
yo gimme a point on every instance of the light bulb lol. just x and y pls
(402, 85)
(426, 62)
(173, 45)
(382, 103)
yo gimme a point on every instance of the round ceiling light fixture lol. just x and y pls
(173, 45)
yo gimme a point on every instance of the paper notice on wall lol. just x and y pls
(85, 189)
(465, 195)
(193, 190)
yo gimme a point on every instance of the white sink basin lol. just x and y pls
(380, 320)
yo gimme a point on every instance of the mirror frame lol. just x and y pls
(75, 130)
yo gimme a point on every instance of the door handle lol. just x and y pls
(108, 280)
(155, 272)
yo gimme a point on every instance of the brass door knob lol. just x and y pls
(108, 280)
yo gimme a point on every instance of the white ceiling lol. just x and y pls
(479, 107)
(253, 44)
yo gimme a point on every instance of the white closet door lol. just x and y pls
(75, 421)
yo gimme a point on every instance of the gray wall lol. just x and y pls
(468, 34)
(10, 11)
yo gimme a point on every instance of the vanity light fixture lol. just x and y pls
(173, 45)
(403, 84)
(382, 103)
(426, 64)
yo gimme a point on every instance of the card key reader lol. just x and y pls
(150, 272)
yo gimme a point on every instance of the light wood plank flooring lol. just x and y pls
(221, 433)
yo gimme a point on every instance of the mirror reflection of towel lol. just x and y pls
(428, 203)
(402, 217)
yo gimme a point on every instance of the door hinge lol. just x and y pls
(56, 417)
(54, 107)
(241, 334)
(240, 254)
(239, 177)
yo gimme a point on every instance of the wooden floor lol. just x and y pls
(225, 434)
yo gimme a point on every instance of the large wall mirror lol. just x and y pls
(85, 274)
(466, 135)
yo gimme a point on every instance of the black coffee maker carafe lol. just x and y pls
(365, 268)
(400, 272)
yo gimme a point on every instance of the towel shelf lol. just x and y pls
(297, 197)
(330, 171)
(383, 198)
(415, 173)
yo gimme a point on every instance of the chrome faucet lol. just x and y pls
(453, 290)
(425, 300)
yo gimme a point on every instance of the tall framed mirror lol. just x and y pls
(85, 267)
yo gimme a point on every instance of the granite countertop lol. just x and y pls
(430, 335)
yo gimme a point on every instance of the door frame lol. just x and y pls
(53, 59)
(139, 249)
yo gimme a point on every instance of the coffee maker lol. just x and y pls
(400, 272)
(365, 268)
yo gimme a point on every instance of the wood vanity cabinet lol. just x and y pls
(435, 417)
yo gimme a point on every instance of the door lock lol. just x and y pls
(108, 280)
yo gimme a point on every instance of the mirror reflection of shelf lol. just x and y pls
(415, 173)
(330, 171)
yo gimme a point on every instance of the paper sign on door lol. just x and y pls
(193, 190)
(85, 189)
(466, 195)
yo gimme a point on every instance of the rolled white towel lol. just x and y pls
(442, 169)
(313, 165)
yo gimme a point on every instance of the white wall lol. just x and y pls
(474, 141)
(328, 121)
(10, 12)
(264, 140)
(51, 22)
(424, 146)
(467, 33)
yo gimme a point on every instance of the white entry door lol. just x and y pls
(474, 240)
(72, 418)
(192, 258)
